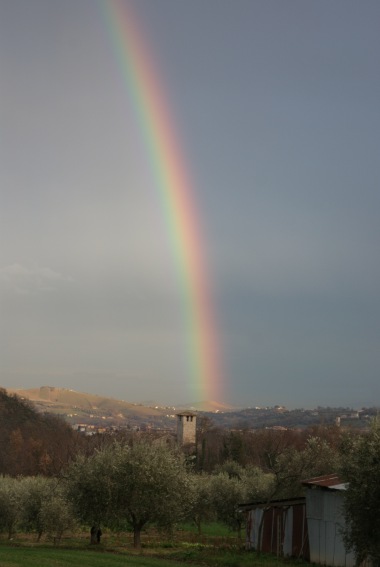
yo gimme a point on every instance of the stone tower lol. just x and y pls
(186, 427)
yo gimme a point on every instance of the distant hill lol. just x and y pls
(103, 412)
(79, 407)
(49, 396)
(70, 402)
(214, 407)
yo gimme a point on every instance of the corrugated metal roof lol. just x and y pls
(330, 481)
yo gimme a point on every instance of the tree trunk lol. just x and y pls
(93, 538)
(137, 537)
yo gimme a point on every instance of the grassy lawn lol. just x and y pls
(44, 557)
(214, 529)
(190, 555)
(216, 547)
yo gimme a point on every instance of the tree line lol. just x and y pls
(133, 484)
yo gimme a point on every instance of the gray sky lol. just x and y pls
(276, 104)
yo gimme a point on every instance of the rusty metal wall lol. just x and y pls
(284, 531)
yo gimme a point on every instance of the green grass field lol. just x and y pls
(216, 547)
(59, 557)
(42, 557)
(213, 529)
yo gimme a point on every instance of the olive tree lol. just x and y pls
(259, 484)
(202, 506)
(140, 484)
(35, 492)
(57, 516)
(361, 469)
(9, 504)
(153, 486)
(227, 493)
(92, 489)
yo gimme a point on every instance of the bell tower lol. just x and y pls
(186, 427)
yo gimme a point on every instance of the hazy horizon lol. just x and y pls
(276, 106)
(213, 405)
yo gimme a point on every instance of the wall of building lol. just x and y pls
(186, 429)
(325, 521)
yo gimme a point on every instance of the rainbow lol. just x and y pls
(176, 194)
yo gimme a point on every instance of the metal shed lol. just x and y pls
(325, 520)
(284, 528)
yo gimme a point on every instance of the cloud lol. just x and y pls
(30, 280)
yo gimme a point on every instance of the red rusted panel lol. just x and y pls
(276, 521)
(300, 540)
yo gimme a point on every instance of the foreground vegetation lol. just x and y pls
(112, 553)
(53, 483)
(21, 557)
